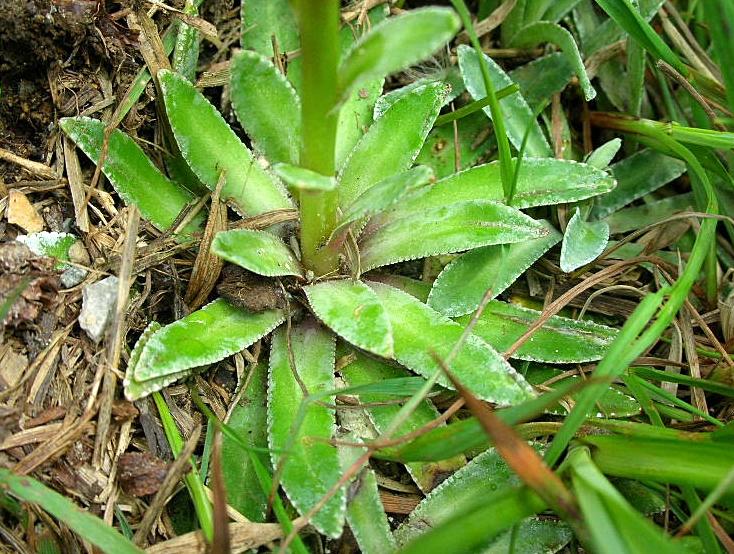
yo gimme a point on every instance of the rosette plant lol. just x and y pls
(331, 199)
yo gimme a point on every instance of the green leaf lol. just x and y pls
(355, 116)
(257, 251)
(267, 106)
(366, 517)
(467, 532)
(545, 31)
(540, 79)
(311, 467)
(637, 217)
(467, 435)
(560, 340)
(449, 76)
(462, 284)
(391, 143)
(629, 19)
(541, 182)
(613, 404)
(87, 526)
(261, 19)
(249, 420)
(616, 527)
(395, 44)
(203, 337)
(718, 16)
(601, 157)
(468, 487)
(302, 179)
(135, 178)
(517, 114)
(439, 151)
(637, 175)
(419, 331)
(381, 196)
(583, 241)
(210, 147)
(352, 310)
(363, 370)
(700, 464)
(464, 225)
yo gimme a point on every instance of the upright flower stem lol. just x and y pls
(319, 26)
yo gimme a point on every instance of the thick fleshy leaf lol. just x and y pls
(418, 331)
(450, 76)
(395, 44)
(391, 143)
(517, 114)
(380, 197)
(464, 225)
(540, 79)
(267, 106)
(541, 182)
(355, 116)
(613, 404)
(366, 517)
(637, 175)
(135, 178)
(387, 192)
(352, 310)
(583, 241)
(466, 488)
(257, 251)
(439, 151)
(203, 337)
(601, 157)
(311, 467)
(560, 340)
(462, 284)
(249, 420)
(261, 19)
(363, 370)
(210, 147)
(303, 179)
(545, 31)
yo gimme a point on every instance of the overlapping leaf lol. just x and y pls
(257, 251)
(210, 147)
(310, 467)
(363, 370)
(397, 136)
(395, 44)
(267, 106)
(135, 178)
(560, 340)
(464, 225)
(541, 182)
(462, 284)
(249, 420)
(203, 337)
(352, 310)
(583, 241)
(545, 31)
(418, 331)
(484, 475)
(517, 114)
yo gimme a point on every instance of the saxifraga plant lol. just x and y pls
(346, 156)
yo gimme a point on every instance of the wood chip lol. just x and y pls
(22, 213)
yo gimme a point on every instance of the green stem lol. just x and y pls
(319, 26)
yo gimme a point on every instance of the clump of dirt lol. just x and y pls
(39, 39)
